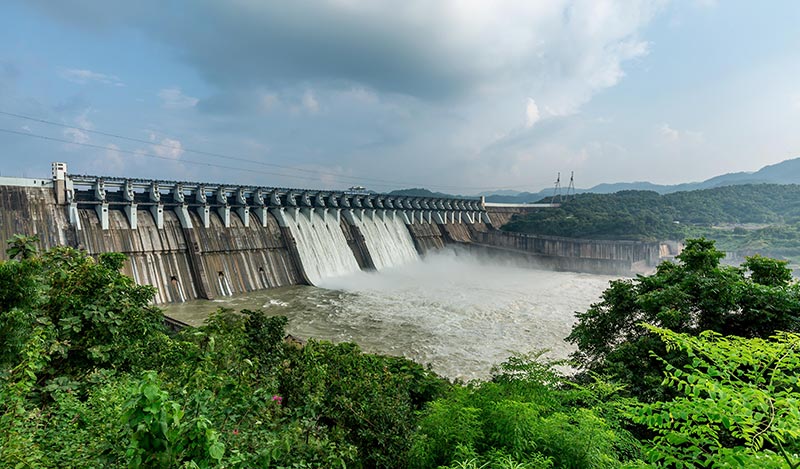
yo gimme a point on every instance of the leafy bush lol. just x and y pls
(738, 403)
(695, 295)
(526, 416)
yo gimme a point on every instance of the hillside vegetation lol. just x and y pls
(751, 218)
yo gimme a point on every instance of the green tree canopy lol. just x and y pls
(694, 295)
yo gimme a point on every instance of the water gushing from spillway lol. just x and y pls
(387, 239)
(459, 311)
(321, 244)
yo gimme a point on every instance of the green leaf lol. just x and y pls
(216, 450)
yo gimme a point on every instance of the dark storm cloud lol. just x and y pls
(250, 43)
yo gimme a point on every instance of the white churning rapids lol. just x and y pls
(387, 239)
(321, 244)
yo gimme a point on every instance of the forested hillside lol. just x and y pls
(754, 217)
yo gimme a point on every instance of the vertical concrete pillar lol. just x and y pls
(102, 214)
(197, 266)
(225, 215)
(158, 214)
(182, 211)
(280, 216)
(74, 219)
(131, 208)
(156, 210)
(205, 215)
(59, 172)
(244, 215)
(131, 213)
(262, 214)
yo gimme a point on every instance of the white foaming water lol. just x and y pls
(461, 313)
(322, 246)
(387, 239)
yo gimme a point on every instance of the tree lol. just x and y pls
(695, 295)
(738, 403)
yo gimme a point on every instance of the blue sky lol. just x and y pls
(454, 95)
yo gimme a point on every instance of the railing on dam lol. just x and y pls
(131, 195)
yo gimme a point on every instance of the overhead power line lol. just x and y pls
(151, 155)
(340, 177)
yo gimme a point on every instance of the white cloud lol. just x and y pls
(675, 135)
(76, 135)
(173, 98)
(168, 148)
(706, 3)
(531, 113)
(310, 103)
(668, 132)
(84, 77)
(81, 122)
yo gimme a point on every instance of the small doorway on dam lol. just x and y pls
(176, 290)
(224, 285)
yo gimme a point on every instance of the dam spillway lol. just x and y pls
(204, 240)
(388, 240)
(321, 245)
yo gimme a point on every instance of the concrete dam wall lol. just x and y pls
(192, 240)
(582, 255)
(204, 241)
(199, 263)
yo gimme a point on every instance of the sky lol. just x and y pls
(459, 96)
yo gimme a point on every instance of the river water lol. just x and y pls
(458, 312)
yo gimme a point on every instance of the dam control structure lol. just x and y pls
(202, 240)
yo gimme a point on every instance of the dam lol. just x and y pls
(195, 240)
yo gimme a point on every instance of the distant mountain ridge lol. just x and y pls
(785, 172)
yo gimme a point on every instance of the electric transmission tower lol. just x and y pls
(557, 190)
(571, 187)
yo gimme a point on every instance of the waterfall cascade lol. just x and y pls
(388, 240)
(321, 244)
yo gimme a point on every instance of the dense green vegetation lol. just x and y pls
(761, 218)
(89, 377)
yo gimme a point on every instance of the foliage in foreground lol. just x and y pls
(89, 378)
(527, 416)
(738, 403)
(695, 295)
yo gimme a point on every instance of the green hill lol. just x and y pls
(749, 218)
